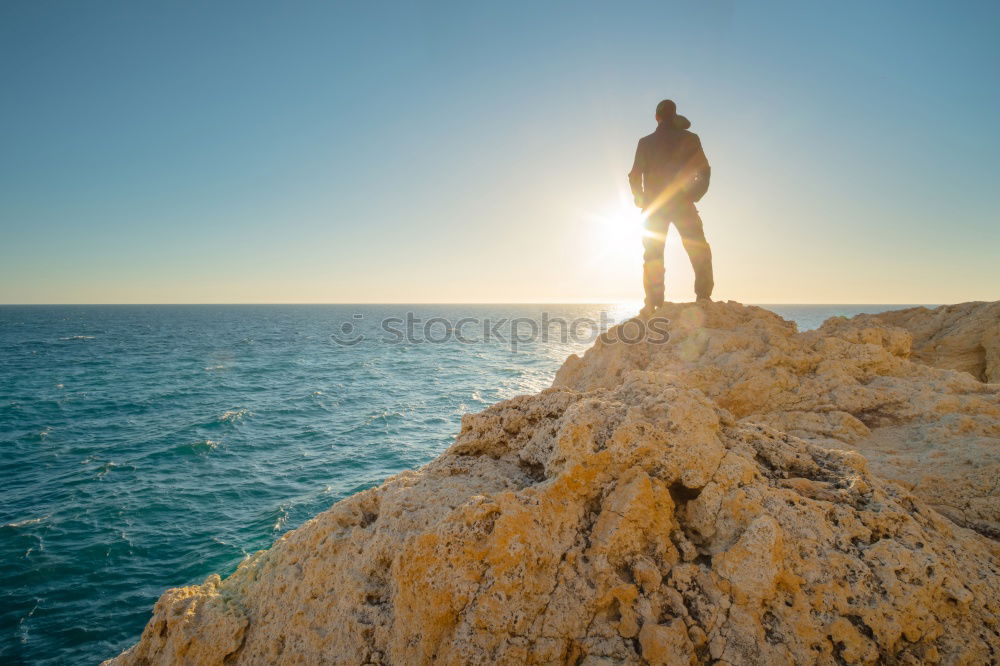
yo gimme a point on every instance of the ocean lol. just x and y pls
(145, 447)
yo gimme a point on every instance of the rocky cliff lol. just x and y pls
(743, 494)
(851, 384)
(962, 337)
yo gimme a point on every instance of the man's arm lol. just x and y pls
(699, 172)
(635, 175)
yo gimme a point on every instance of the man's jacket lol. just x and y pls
(670, 166)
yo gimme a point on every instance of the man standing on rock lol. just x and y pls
(669, 175)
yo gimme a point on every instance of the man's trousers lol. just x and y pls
(685, 217)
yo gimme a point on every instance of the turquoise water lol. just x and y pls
(144, 447)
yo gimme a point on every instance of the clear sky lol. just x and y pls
(476, 152)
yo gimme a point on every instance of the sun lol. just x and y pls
(616, 233)
(614, 255)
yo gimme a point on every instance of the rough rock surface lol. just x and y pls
(639, 519)
(850, 384)
(960, 337)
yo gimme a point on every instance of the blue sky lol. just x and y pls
(474, 152)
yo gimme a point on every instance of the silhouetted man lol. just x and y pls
(670, 173)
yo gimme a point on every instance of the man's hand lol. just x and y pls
(640, 200)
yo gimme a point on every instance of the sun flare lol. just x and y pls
(614, 237)
(616, 232)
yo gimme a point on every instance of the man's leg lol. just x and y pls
(653, 243)
(688, 224)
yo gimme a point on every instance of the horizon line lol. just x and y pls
(454, 303)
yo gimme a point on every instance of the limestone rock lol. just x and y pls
(960, 337)
(639, 523)
(851, 384)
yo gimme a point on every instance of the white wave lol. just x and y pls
(203, 445)
(25, 523)
(282, 518)
(234, 415)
